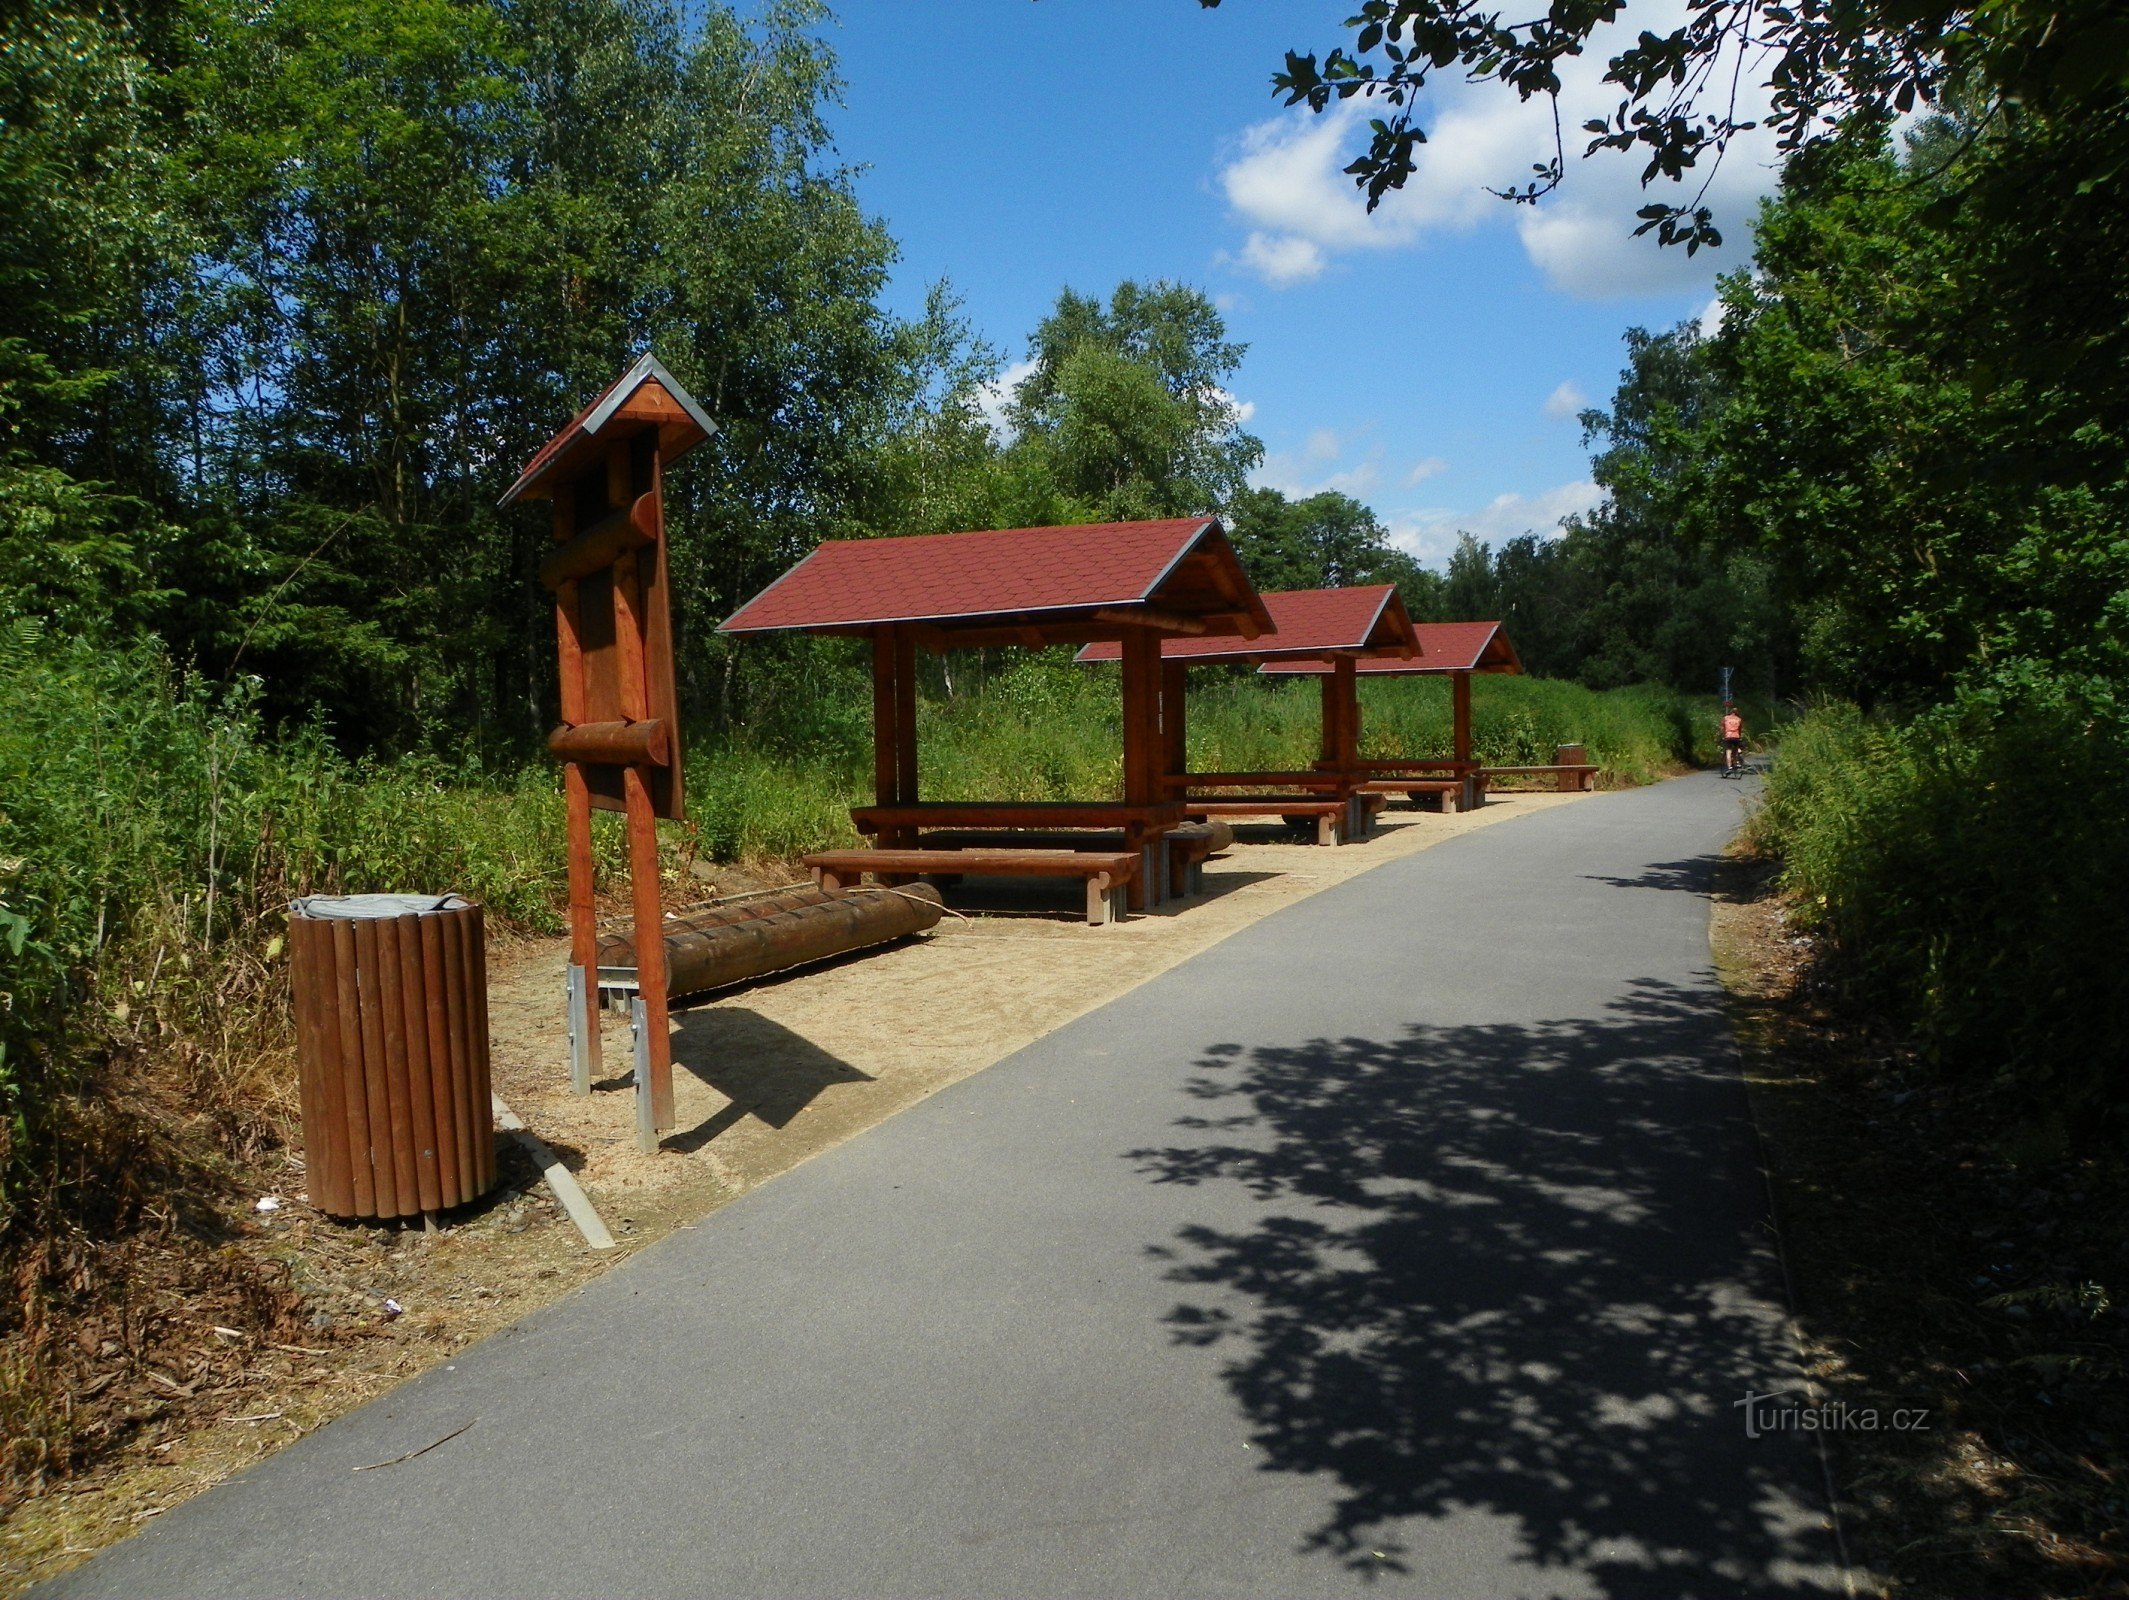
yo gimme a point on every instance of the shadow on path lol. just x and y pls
(762, 1067)
(1505, 1269)
(1694, 876)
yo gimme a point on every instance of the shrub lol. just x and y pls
(1965, 870)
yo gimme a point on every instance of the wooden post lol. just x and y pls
(905, 716)
(619, 741)
(1460, 723)
(655, 1044)
(1344, 687)
(1141, 670)
(1141, 697)
(1175, 752)
(576, 791)
(886, 742)
(1327, 733)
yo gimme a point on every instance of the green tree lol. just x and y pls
(1125, 408)
(1324, 541)
(1926, 435)
(88, 251)
(302, 284)
(1659, 595)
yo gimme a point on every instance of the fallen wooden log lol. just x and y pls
(720, 945)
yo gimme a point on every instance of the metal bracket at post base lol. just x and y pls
(616, 987)
(578, 1001)
(646, 1113)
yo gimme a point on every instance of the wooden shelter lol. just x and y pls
(1341, 629)
(1133, 583)
(1454, 650)
(619, 739)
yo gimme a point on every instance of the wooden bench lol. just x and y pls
(1331, 816)
(1107, 873)
(1570, 768)
(1190, 845)
(1451, 792)
(898, 826)
(1456, 785)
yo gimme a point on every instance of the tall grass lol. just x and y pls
(151, 833)
(1046, 729)
(1966, 870)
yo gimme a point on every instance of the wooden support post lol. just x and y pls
(655, 1046)
(650, 945)
(1348, 740)
(886, 742)
(1142, 712)
(1460, 722)
(583, 910)
(1175, 751)
(905, 716)
(1343, 687)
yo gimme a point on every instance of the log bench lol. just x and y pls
(1450, 791)
(1107, 873)
(1570, 768)
(1330, 815)
(898, 826)
(1190, 845)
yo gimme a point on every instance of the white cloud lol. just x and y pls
(1322, 446)
(1286, 183)
(1566, 402)
(1710, 318)
(1431, 534)
(1283, 259)
(995, 396)
(1243, 409)
(1299, 474)
(1423, 470)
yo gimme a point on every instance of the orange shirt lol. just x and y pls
(1733, 726)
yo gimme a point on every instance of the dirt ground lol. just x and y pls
(765, 1077)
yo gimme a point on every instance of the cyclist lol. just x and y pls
(1733, 741)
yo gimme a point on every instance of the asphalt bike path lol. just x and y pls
(1409, 1241)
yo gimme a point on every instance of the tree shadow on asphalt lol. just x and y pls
(1694, 876)
(1509, 1271)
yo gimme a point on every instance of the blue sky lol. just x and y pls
(1428, 360)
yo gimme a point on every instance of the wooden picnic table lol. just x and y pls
(901, 827)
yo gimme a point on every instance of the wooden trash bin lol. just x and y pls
(391, 1000)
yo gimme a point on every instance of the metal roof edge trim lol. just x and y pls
(645, 366)
(1182, 554)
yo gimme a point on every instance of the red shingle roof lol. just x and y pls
(1304, 621)
(965, 578)
(1443, 647)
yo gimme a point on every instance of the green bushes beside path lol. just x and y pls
(1966, 871)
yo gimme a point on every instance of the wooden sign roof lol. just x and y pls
(1031, 586)
(1305, 622)
(645, 396)
(1443, 647)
